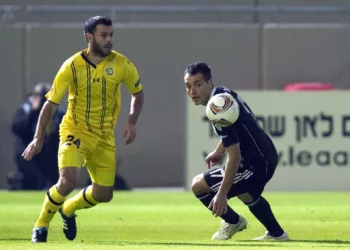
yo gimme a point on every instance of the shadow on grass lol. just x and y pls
(129, 243)
(340, 243)
(335, 242)
(15, 239)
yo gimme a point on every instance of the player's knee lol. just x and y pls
(65, 186)
(67, 181)
(108, 198)
(199, 185)
(104, 197)
(102, 193)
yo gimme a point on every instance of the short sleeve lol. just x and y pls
(132, 79)
(230, 136)
(63, 79)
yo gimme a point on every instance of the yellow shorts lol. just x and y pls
(95, 152)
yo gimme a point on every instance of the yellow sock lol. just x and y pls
(52, 202)
(82, 200)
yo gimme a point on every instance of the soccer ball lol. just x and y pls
(222, 110)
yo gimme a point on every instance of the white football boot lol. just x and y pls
(226, 231)
(267, 236)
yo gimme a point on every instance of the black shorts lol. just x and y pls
(251, 178)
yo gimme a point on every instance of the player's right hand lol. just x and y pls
(214, 158)
(32, 149)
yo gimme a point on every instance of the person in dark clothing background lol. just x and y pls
(42, 171)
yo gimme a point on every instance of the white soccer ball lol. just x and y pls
(222, 110)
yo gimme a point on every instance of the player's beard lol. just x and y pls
(98, 49)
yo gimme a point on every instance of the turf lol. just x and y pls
(176, 220)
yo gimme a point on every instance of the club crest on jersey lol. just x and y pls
(109, 71)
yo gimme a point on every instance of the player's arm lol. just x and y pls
(216, 156)
(219, 203)
(133, 84)
(45, 117)
(232, 165)
(220, 148)
(230, 141)
(136, 107)
(59, 88)
(54, 96)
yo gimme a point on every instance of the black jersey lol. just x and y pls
(255, 144)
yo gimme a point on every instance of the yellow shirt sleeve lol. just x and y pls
(132, 79)
(63, 79)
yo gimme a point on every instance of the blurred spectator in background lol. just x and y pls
(42, 171)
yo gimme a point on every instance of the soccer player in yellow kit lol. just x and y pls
(93, 78)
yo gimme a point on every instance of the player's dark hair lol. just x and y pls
(199, 67)
(90, 25)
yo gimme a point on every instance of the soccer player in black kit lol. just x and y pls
(251, 162)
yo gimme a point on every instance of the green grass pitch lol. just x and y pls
(176, 220)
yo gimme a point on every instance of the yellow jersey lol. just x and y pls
(94, 90)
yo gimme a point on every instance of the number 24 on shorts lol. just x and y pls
(70, 140)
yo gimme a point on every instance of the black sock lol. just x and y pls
(262, 211)
(230, 217)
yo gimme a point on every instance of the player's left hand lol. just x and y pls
(218, 205)
(129, 133)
